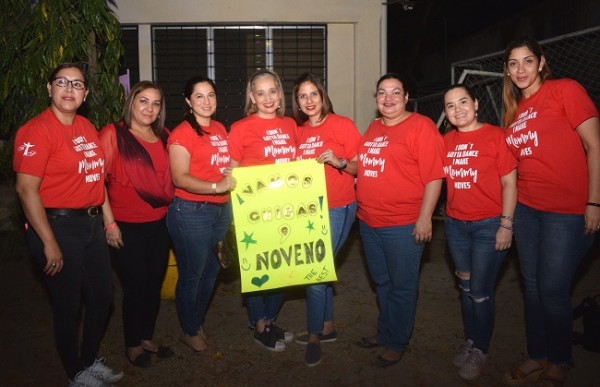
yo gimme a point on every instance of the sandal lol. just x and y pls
(518, 377)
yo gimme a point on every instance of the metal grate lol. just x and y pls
(229, 55)
(130, 59)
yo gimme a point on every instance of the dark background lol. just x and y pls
(424, 41)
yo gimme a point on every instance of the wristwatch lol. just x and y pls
(344, 164)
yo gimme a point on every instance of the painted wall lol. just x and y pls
(353, 37)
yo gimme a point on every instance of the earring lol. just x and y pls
(50, 95)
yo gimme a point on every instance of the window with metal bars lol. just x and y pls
(130, 59)
(229, 55)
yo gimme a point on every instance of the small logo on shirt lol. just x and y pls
(26, 149)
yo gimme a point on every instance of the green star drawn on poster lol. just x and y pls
(248, 239)
(311, 226)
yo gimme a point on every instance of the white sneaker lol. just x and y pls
(103, 373)
(85, 379)
(463, 353)
(473, 366)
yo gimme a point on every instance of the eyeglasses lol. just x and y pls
(64, 82)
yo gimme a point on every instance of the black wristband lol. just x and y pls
(592, 204)
(344, 164)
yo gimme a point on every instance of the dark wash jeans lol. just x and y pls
(86, 272)
(551, 247)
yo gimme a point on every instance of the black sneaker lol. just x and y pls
(282, 335)
(312, 356)
(269, 340)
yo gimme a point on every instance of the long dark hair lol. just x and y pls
(511, 94)
(187, 92)
(327, 108)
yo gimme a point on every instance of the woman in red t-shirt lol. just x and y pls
(199, 216)
(331, 140)
(60, 181)
(482, 194)
(264, 136)
(140, 188)
(552, 128)
(398, 184)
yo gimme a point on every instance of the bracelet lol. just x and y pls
(592, 204)
(214, 187)
(110, 226)
(344, 164)
(509, 218)
(506, 227)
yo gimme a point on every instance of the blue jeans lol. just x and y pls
(393, 258)
(473, 248)
(550, 247)
(86, 276)
(263, 305)
(196, 228)
(142, 263)
(319, 297)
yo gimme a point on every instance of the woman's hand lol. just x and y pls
(228, 182)
(423, 231)
(503, 239)
(592, 219)
(114, 237)
(328, 157)
(54, 259)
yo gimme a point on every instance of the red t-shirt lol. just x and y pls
(552, 170)
(260, 141)
(474, 162)
(209, 157)
(340, 134)
(394, 165)
(126, 204)
(68, 158)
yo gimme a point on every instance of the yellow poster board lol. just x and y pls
(282, 225)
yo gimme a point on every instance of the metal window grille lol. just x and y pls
(229, 55)
(130, 60)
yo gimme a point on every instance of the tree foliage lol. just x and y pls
(38, 35)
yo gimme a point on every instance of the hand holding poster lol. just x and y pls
(282, 225)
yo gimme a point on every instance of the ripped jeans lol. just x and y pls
(472, 245)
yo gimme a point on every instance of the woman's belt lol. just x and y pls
(90, 211)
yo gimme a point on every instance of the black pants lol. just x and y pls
(142, 263)
(86, 272)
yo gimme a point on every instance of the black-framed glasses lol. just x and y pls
(64, 82)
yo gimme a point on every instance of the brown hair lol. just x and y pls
(158, 126)
(511, 94)
(315, 80)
